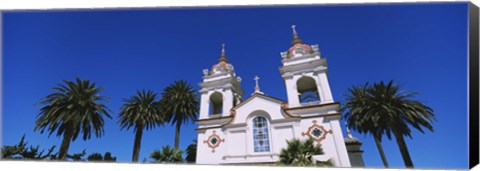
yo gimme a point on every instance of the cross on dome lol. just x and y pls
(294, 31)
(296, 39)
(223, 48)
(222, 56)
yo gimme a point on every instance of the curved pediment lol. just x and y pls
(259, 104)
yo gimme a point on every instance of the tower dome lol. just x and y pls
(222, 65)
(298, 48)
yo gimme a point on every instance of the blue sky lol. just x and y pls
(421, 46)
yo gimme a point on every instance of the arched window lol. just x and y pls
(307, 89)
(216, 103)
(261, 141)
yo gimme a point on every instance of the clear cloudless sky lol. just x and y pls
(421, 46)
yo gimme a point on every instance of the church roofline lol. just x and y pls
(285, 110)
(255, 95)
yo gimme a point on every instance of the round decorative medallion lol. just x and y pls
(213, 141)
(316, 132)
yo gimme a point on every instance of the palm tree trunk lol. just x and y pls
(67, 138)
(403, 149)
(137, 143)
(177, 135)
(380, 150)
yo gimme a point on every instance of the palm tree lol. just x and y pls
(98, 157)
(109, 158)
(399, 113)
(300, 153)
(180, 104)
(95, 157)
(140, 112)
(191, 152)
(359, 118)
(167, 155)
(72, 108)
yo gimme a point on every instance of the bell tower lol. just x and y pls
(220, 89)
(305, 74)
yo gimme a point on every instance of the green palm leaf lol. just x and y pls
(73, 108)
(386, 109)
(167, 155)
(300, 153)
(140, 112)
(181, 105)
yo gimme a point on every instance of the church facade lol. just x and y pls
(232, 130)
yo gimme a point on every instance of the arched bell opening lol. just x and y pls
(307, 90)
(216, 103)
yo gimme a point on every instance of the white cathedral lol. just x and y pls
(232, 130)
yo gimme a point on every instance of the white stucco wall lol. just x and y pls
(333, 145)
(204, 153)
(238, 145)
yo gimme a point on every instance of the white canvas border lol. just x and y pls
(9, 5)
(89, 4)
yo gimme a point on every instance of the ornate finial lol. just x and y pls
(349, 134)
(296, 39)
(257, 88)
(222, 56)
(205, 72)
(294, 31)
(223, 48)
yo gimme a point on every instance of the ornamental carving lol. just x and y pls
(213, 141)
(316, 132)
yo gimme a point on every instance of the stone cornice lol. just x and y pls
(232, 126)
(290, 119)
(313, 55)
(205, 128)
(217, 75)
(216, 82)
(323, 115)
(313, 106)
(224, 83)
(315, 65)
(214, 119)
(316, 70)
